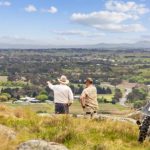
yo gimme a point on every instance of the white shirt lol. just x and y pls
(62, 93)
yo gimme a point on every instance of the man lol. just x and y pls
(88, 99)
(63, 96)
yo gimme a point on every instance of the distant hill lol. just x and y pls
(140, 44)
(137, 45)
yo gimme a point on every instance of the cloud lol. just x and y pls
(130, 6)
(5, 3)
(121, 27)
(80, 33)
(51, 10)
(30, 8)
(101, 17)
(15, 40)
(115, 18)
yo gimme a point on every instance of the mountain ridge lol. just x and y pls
(136, 45)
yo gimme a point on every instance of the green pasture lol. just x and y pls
(74, 109)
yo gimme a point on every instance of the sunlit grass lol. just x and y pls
(75, 133)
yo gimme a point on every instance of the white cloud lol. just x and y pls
(81, 33)
(30, 8)
(115, 18)
(121, 27)
(71, 32)
(130, 6)
(15, 40)
(51, 10)
(101, 17)
(5, 3)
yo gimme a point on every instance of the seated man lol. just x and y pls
(63, 96)
(88, 99)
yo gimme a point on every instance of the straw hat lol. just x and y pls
(63, 79)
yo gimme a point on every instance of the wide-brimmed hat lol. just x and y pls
(63, 79)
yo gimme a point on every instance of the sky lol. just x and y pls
(74, 22)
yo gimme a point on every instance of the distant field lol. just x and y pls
(41, 107)
(3, 78)
(106, 96)
(74, 109)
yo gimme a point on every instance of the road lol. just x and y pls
(124, 98)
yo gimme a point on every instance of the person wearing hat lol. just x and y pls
(88, 99)
(63, 95)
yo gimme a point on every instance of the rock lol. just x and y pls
(40, 145)
(8, 132)
(137, 115)
(113, 118)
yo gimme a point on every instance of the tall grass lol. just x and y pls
(75, 133)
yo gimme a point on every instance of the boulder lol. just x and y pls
(7, 132)
(40, 145)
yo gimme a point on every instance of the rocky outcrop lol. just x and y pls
(110, 117)
(40, 145)
(7, 132)
(98, 117)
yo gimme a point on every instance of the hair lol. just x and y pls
(89, 80)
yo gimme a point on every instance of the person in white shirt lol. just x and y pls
(63, 95)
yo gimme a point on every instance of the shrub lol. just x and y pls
(6, 94)
(3, 98)
(137, 94)
(43, 92)
(113, 102)
(42, 97)
(100, 100)
(118, 95)
(139, 104)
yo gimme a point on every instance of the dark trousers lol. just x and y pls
(61, 108)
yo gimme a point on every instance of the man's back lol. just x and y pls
(62, 93)
(91, 96)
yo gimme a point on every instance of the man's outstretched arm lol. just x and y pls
(50, 85)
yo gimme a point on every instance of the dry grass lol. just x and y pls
(75, 133)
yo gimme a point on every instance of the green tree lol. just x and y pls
(137, 94)
(118, 94)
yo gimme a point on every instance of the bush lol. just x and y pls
(102, 100)
(137, 94)
(113, 102)
(3, 98)
(139, 104)
(6, 94)
(42, 97)
(118, 95)
(43, 92)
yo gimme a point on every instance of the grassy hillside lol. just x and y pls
(75, 133)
